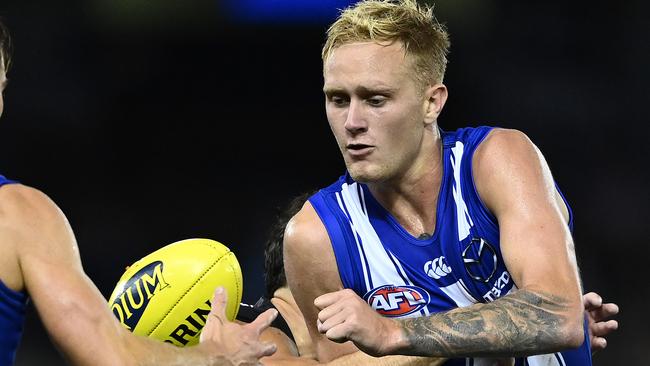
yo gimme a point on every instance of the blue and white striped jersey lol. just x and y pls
(400, 275)
(13, 305)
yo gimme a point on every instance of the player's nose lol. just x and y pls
(355, 120)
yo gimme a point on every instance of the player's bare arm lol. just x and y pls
(75, 313)
(546, 313)
(311, 271)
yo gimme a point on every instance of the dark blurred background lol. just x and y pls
(154, 121)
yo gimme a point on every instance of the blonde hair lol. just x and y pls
(423, 37)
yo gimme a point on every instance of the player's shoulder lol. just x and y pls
(27, 211)
(501, 142)
(305, 233)
(503, 149)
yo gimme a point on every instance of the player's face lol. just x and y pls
(375, 109)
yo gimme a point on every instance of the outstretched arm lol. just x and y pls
(544, 315)
(311, 271)
(75, 313)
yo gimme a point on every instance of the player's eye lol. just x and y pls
(338, 100)
(376, 101)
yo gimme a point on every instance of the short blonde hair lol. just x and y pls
(415, 26)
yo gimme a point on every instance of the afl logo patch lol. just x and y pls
(397, 301)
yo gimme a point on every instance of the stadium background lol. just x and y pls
(154, 121)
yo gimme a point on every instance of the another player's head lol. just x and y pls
(273, 259)
(5, 53)
(383, 66)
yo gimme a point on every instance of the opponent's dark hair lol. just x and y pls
(274, 276)
(5, 45)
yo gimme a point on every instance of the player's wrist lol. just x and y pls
(208, 353)
(396, 341)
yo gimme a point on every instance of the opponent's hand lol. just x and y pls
(238, 344)
(345, 316)
(598, 315)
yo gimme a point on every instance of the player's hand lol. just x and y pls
(599, 323)
(344, 316)
(238, 344)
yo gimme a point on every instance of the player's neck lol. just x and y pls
(412, 198)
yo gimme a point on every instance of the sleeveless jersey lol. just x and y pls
(12, 316)
(400, 275)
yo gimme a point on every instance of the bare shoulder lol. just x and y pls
(305, 233)
(502, 146)
(27, 218)
(506, 166)
(308, 251)
(27, 213)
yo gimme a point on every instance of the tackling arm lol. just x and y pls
(311, 271)
(76, 314)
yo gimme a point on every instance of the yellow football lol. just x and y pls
(167, 294)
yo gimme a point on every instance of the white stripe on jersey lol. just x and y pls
(364, 263)
(382, 269)
(546, 360)
(462, 215)
(457, 292)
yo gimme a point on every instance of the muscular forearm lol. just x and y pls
(521, 323)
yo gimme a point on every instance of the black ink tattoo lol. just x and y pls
(521, 323)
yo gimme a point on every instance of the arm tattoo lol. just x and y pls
(521, 323)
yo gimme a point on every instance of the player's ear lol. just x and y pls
(435, 97)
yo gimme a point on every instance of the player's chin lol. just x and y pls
(364, 172)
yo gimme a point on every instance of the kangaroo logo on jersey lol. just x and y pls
(480, 260)
(397, 301)
(437, 268)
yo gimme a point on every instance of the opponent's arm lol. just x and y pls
(544, 315)
(76, 314)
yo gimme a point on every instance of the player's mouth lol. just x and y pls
(359, 150)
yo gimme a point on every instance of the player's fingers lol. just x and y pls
(330, 311)
(219, 302)
(263, 321)
(266, 349)
(338, 333)
(592, 301)
(604, 312)
(602, 329)
(324, 325)
(598, 344)
(328, 299)
(610, 309)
